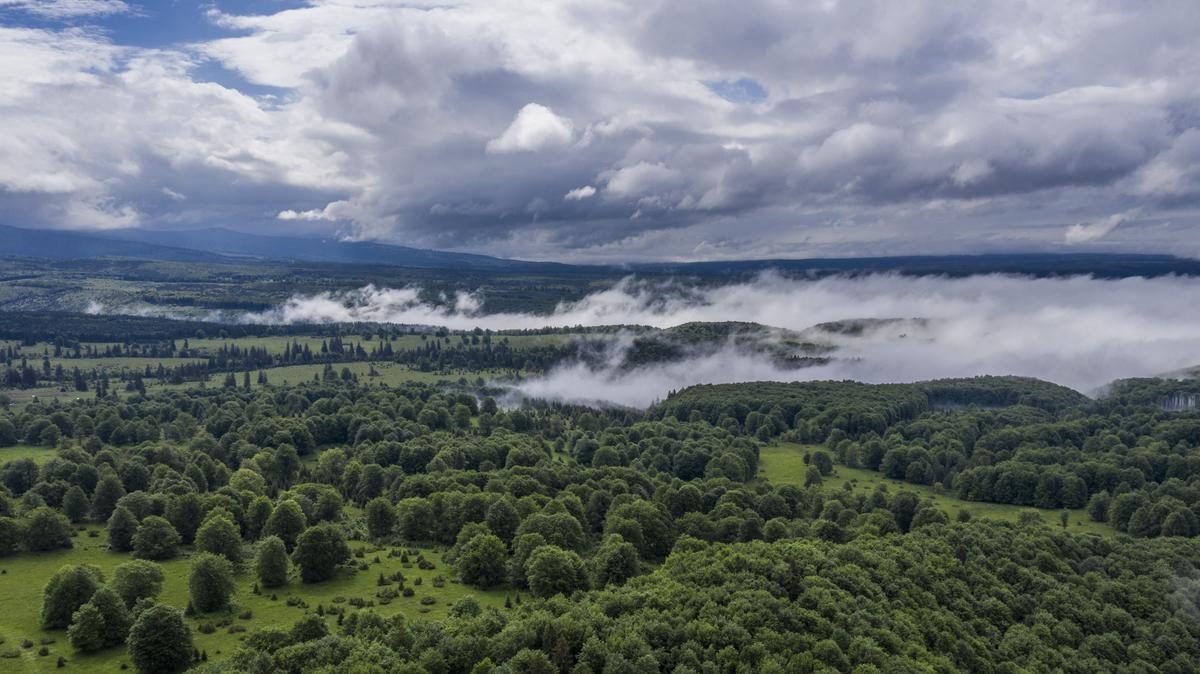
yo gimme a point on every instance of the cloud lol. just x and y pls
(767, 128)
(311, 214)
(643, 179)
(580, 193)
(535, 128)
(1080, 233)
(67, 9)
(1080, 332)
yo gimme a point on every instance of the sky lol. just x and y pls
(610, 131)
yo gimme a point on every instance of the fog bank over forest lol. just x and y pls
(1079, 331)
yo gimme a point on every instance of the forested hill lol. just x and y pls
(857, 407)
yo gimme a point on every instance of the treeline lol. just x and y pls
(1131, 458)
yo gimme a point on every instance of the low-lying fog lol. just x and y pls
(1080, 332)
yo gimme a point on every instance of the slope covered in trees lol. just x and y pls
(630, 541)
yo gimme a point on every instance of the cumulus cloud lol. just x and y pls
(311, 214)
(764, 128)
(1081, 233)
(1080, 332)
(579, 193)
(535, 128)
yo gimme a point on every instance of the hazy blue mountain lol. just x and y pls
(61, 244)
(240, 244)
(226, 245)
(217, 244)
(1101, 265)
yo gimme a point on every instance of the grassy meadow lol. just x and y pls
(23, 577)
(783, 463)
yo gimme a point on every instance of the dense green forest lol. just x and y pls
(334, 526)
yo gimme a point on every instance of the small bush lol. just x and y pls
(428, 601)
(246, 615)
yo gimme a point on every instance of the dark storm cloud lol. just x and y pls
(614, 130)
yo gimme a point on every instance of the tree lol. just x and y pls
(108, 491)
(210, 582)
(220, 536)
(12, 536)
(122, 526)
(1097, 507)
(137, 579)
(257, 515)
(318, 552)
(185, 513)
(552, 570)
(615, 562)
(8, 433)
(86, 632)
(381, 518)
(75, 504)
(46, 529)
(155, 539)
(117, 618)
(271, 562)
(287, 522)
(822, 462)
(482, 561)
(160, 641)
(531, 661)
(503, 519)
(415, 519)
(69, 588)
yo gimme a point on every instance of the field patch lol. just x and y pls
(23, 577)
(783, 463)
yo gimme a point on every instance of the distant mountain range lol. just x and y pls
(226, 245)
(217, 245)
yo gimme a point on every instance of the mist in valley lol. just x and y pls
(1079, 331)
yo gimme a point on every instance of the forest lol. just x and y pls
(336, 526)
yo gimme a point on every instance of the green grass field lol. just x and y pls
(38, 454)
(389, 373)
(25, 575)
(274, 345)
(783, 463)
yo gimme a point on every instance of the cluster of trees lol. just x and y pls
(646, 539)
(98, 615)
(975, 596)
(474, 351)
(995, 439)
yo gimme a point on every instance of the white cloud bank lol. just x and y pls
(708, 130)
(1080, 332)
